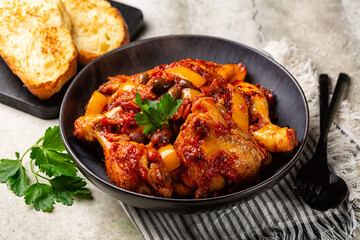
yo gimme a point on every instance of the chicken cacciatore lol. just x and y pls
(189, 129)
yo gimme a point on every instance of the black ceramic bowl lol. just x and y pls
(139, 56)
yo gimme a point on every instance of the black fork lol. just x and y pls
(315, 174)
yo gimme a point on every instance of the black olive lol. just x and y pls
(144, 78)
(186, 84)
(175, 92)
(161, 138)
(139, 137)
(160, 86)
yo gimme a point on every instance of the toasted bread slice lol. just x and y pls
(97, 28)
(36, 44)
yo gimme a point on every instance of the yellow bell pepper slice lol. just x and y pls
(187, 74)
(240, 110)
(96, 103)
(258, 103)
(169, 157)
(232, 72)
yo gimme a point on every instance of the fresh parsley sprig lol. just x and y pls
(50, 163)
(155, 113)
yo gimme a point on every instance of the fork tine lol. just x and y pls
(311, 197)
(305, 193)
(310, 194)
(318, 189)
(300, 185)
(313, 193)
(296, 188)
(297, 183)
(303, 187)
(311, 187)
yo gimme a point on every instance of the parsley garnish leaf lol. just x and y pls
(52, 139)
(41, 196)
(150, 129)
(65, 186)
(168, 106)
(8, 168)
(152, 104)
(18, 183)
(53, 163)
(155, 114)
(49, 157)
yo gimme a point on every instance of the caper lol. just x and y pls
(144, 78)
(186, 83)
(175, 92)
(138, 137)
(160, 86)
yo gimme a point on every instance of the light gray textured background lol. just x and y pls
(327, 31)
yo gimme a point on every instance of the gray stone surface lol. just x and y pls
(328, 32)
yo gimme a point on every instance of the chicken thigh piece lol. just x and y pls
(129, 165)
(216, 156)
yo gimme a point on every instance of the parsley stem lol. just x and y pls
(43, 177)
(167, 122)
(37, 172)
(38, 141)
(32, 170)
(22, 157)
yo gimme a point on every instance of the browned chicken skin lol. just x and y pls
(130, 165)
(216, 155)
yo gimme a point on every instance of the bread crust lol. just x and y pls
(84, 29)
(85, 57)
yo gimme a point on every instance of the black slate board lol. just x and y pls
(14, 94)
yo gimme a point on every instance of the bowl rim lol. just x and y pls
(267, 183)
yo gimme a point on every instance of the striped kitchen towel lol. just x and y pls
(274, 214)
(277, 213)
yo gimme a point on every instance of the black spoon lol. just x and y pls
(334, 191)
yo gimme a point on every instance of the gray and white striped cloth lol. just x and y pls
(274, 214)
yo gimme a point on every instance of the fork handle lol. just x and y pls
(324, 97)
(342, 82)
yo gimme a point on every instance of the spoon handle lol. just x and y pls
(324, 106)
(341, 84)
